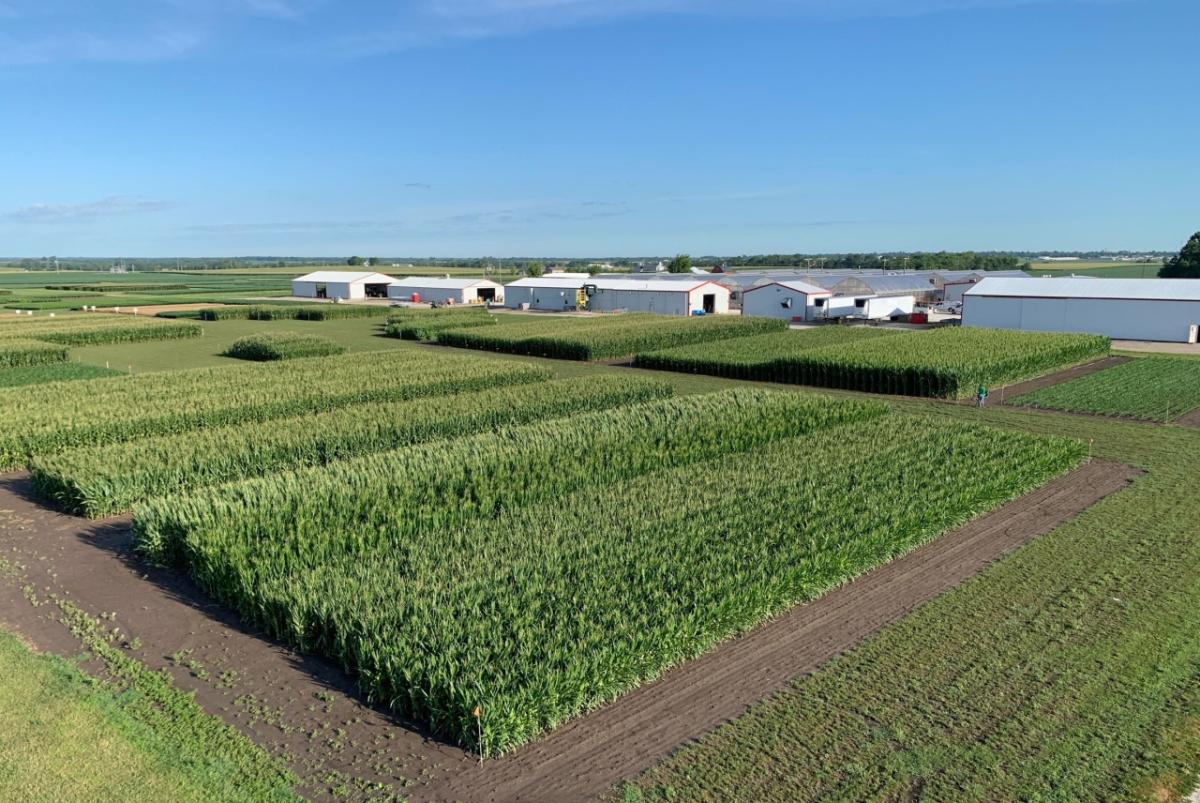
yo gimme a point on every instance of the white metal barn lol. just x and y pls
(554, 292)
(343, 284)
(662, 297)
(1127, 309)
(792, 300)
(954, 283)
(443, 290)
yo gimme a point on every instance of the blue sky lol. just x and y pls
(596, 127)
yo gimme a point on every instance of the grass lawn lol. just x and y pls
(356, 334)
(65, 737)
(1068, 671)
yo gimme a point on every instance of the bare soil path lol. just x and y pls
(306, 710)
(1192, 419)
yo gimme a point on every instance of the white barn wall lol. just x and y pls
(543, 297)
(720, 295)
(1124, 319)
(767, 301)
(662, 302)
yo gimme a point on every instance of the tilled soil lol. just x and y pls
(1192, 419)
(306, 710)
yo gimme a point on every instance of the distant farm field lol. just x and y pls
(1110, 270)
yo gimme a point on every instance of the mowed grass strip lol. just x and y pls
(101, 482)
(19, 353)
(553, 607)
(282, 346)
(66, 737)
(607, 337)
(50, 418)
(763, 358)
(1067, 671)
(946, 363)
(1149, 388)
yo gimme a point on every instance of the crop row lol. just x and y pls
(101, 482)
(950, 362)
(92, 330)
(429, 325)
(282, 346)
(121, 287)
(542, 607)
(765, 358)
(285, 312)
(18, 353)
(605, 338)
(1151, 388)
(44, 419)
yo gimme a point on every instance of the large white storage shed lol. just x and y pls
(784, 299)
(956, 282)
(457, 291)
(545, 292)
(1127, 309)
(662, 297)
(344, 284)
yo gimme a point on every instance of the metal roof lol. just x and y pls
(918, 282)
(799, 287)
(548, 281)
(651, 285)
(348, 276)
(982, 274)
(441, 283)
(1090, 287)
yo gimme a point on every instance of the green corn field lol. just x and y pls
(1147, 388)
(21, 353)
(101, 482)
(762, 357)
(282, 346)
(946, 363)
(604, 337)
(95, 329)
(542, 571)
(91, 413)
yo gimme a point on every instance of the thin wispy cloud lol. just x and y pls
(427, 22)
(471, 221)
(132, 31)
(112, 206)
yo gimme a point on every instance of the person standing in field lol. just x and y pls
(981, 397)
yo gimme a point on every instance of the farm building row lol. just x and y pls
(351, 286)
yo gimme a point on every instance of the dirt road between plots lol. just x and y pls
(1192, 419)
(305, 709)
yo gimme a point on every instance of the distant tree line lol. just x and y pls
(940, 260)
(1186, 264)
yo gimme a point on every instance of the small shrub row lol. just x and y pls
(282, 346)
